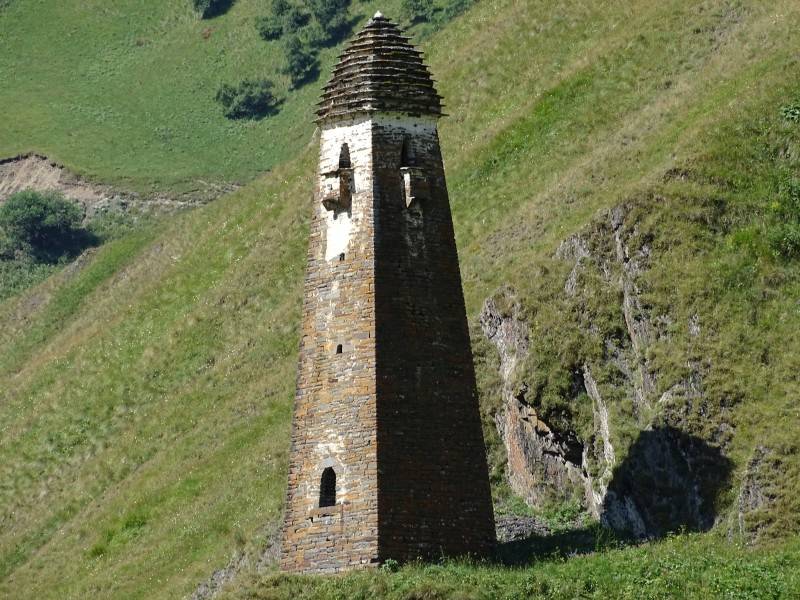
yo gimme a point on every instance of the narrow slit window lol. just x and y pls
(339, 349)
(406, 155)
(344, 157)
(327, 488)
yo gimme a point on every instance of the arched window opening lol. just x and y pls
(339, 349)
(327, 488)
(344, 157)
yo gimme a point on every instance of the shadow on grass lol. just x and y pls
(310, 76)
(668, 483)
(258, 112)
(342, 31)
(64, 248)
(217, 8)
(564, 544)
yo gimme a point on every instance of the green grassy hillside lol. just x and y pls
(123, 93)
(685, 567)
(145, 392)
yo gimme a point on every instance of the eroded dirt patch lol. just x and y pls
(32, 171)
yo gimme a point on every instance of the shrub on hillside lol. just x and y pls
(8, 248)
(18, 275)
(791, 113)
(295, 19)
(280, 7)
(43, 225)
(301, 61)
(249, 99)
(784, 235)
(416, 11)
(332, 17)
(784, 240)
(269, 27)
(211, 8)
(313, 36)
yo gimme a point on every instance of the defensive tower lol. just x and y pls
(387, 458)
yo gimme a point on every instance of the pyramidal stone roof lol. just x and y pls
(380, 71)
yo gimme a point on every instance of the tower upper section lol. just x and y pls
(380, 71)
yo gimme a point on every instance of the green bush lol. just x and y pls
(8, 248)
(250, 99)
(313, 36)
(280, 7)
(791, 113)
(783, 235)
(283, 17)
(269, 27)
(211, 8)
(417, 11)
(332, 16)
(301, 61)
(295, 19)
(19, 275)
(784, 240)
(43, 225)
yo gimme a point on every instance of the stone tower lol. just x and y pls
(387, 457)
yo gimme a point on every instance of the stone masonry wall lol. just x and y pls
(433, 483)
(335, 419)
(386, 390)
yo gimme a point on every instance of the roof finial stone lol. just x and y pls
(378, 15)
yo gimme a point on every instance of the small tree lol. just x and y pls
(331, 16)
(43, 225)
(416, 11)
(280, 7)
(295, 19)
(250, 99)
(301, 61)
(269, 27)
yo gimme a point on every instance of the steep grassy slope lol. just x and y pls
(145, 393)
(686, 567)
(124, 93)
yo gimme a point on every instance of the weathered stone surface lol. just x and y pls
(542, 462)
(380, 71)
(754, 495)
(663, 476)
(386, 394)
(512, 528)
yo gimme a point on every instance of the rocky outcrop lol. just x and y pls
(754, 496)
(648, 483)
(541, 461)
(514, 528)
(596, 486)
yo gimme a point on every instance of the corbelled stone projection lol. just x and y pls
(387, 459)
